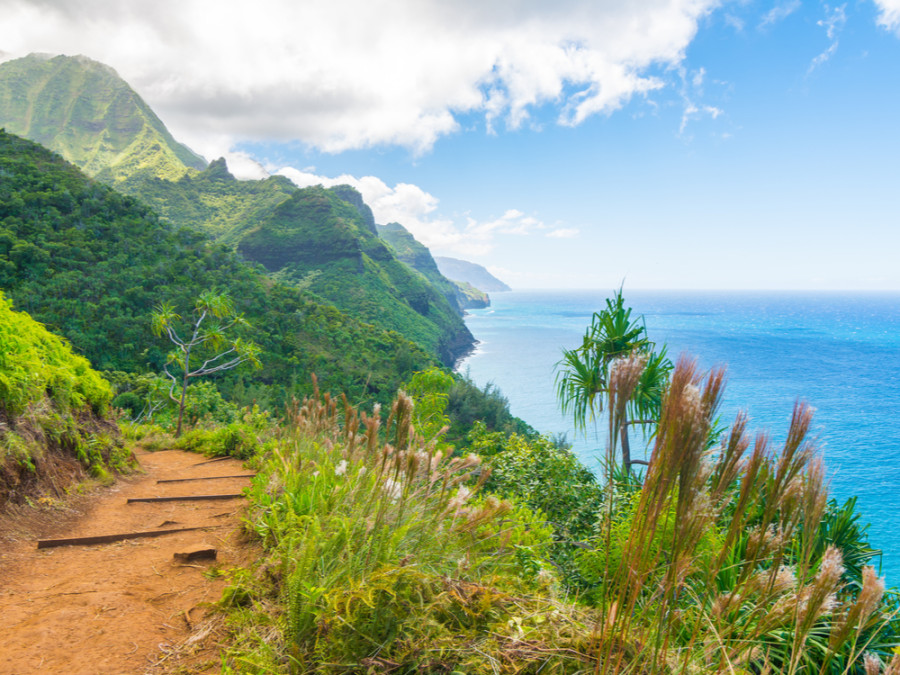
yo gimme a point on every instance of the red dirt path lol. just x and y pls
(121, 607)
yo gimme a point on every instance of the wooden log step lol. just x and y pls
(110, 538)
(182, 480)
(210, 461)
(185, 498)
(202, 552)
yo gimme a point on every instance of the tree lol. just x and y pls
(210, 343)
(583, 374)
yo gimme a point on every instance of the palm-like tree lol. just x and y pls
(583, 374)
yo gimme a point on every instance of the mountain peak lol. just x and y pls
(83, 110)
(218, 170)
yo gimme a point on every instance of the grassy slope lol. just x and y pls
(92, 264)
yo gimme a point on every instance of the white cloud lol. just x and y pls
(833, 23)
(779, 13)
(243, 167)
(564, 233)
(358, 73)
(691, 90)
(889, 14)
(417, 211)
(736, 22)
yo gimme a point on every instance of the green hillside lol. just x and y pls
(84, 111)
(52, 405)
(91, 264)
(328, 234)
(317, 235)
(408, 250)
(211, 200)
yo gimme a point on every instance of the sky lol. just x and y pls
(666, 144)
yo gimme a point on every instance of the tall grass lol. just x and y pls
(388, 553)
(761, 595)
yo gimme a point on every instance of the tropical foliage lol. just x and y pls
(584, 374)
(211, 344)
(51, 409)
(387, 555)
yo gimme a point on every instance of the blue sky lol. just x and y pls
(669, 143)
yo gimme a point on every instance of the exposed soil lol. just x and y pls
(123, 607)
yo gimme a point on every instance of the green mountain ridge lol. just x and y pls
(84, 111)
(318, 235)
(410, 251)
(91, 264)
(324, 240)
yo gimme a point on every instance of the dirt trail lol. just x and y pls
(120, 607)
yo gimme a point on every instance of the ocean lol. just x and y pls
(840, 352)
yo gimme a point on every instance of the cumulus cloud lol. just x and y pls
(889, 14)
(361, 73)
(417, 211)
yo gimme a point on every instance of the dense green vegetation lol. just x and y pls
(322, 240)
(52, 409)
(211, 200)
(408, 250)
(318, 232)
(91, 264)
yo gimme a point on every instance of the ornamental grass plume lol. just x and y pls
(722, 567)
(373, 535)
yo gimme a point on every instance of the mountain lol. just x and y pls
(408, 250)
(471, 273)
(84, 111)
(91, 264)
(318, 238)
(471, 297)
(323, 241)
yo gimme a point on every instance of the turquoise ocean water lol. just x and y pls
(838, 351)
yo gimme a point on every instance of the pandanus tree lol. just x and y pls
(583, 374)
(211, 343)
